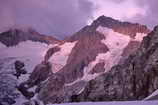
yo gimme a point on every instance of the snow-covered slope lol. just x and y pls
(28, 51)
(59, 59)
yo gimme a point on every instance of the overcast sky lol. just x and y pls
(64, 17)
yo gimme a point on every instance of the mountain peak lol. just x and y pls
(126, 28)
(102, 20)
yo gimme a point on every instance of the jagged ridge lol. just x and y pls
(13, 37)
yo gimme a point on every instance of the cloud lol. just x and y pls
(55, 17)
(151, 17)
(118, 9)
(61, 18)
(140, 11)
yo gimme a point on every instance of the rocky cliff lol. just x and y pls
(135, 79)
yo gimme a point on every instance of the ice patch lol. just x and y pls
(116, 43)
(59, 59)
(139, 37)
(114, 40)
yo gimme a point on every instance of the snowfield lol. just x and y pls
(113, 103)
(59, 59)
(31, 53)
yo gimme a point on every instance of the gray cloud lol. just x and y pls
(56, 17)
(151, 17)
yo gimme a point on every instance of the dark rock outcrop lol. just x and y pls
(19, 68)
(98, 68)
(40, 73)
(135, 79)
(50, 52)
(52, 90)
(23, 88)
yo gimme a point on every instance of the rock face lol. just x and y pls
(90, 43)
(40, 73)
(135, 79)
(97, 48)
(15, 36)
(84, 52)
(19, 67)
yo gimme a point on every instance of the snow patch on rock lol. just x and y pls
(59, 59)
(100, 58)
(152, 96)
(114, 40)
(139, 37)
(116, 43)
